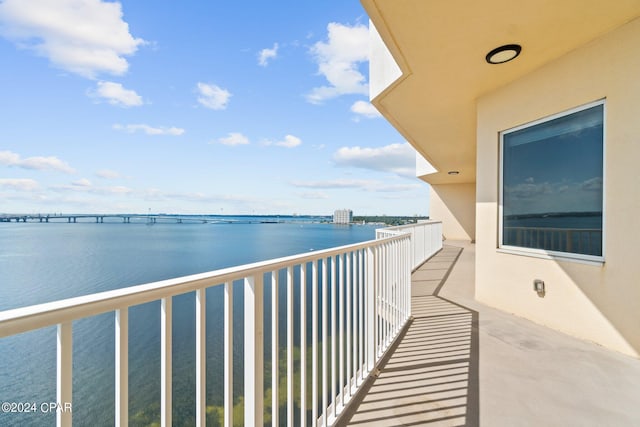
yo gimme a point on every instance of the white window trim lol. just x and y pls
(541, 253)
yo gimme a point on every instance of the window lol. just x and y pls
(552, 185)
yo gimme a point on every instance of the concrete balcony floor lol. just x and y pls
(461, 363)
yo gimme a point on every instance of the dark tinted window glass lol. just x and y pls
(552, 184)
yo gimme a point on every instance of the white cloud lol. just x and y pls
(116, 94)
(149, 130)
(395, 158)
(213, 96)
(84, 182)
(593, 184)
(289, 141)
(86, 186)
(234, 138)
(267, 54)
(35, 163)
(108, 174)
(19, 184)
(395, 188)
(335, 184)
(362, 184)
(338, 61)
(314, 195)
(366, 109)
(84, 37)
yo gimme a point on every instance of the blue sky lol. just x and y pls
(230, 107)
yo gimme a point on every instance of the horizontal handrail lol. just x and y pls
(409, 226)
(18, 320)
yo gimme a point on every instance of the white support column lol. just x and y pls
(275, 352)
(166, 362)
(64, 374)
(122, 367)
(201, 357)
(228, 354)
(253, 350)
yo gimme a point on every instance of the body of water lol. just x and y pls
(43, 262)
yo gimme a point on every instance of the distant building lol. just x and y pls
(343, 216)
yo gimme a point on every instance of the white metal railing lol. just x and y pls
(360, 301)
(426, 239)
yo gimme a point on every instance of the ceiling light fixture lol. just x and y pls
(503, 54)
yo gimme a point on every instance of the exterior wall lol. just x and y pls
(598, 302)
(454, 205)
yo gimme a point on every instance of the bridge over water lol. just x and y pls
(138, 218)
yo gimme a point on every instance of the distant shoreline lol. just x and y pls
(553, 215)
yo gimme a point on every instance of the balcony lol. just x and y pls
(461, 363)
(383, 346)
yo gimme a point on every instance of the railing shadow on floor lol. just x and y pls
(430, 376)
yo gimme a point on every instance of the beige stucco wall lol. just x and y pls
(596, 302)
(454, 205)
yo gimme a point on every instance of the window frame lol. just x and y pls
(544, 253)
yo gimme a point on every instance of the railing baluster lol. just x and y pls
(275, 352)
(314, 343)
(290, 346)
(348, 302)
(122, 367)
(361, 311)
(370, 327)
(340, 334)
(303, 345)
(355, 316)
(201, 357)
(407, 281)
(380, 300)
(386, 262)
(165, 362)
(253, 350)
(325, 339)
(334, 371)
(64, 374)
(228, 354)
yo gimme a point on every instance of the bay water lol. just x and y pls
(44, 262)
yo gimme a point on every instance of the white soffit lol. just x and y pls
(440, 46)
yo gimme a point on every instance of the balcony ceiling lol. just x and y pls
(440, 46)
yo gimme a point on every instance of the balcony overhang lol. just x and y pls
(440, 48)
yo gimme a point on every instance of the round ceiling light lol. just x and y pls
(503, 54)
